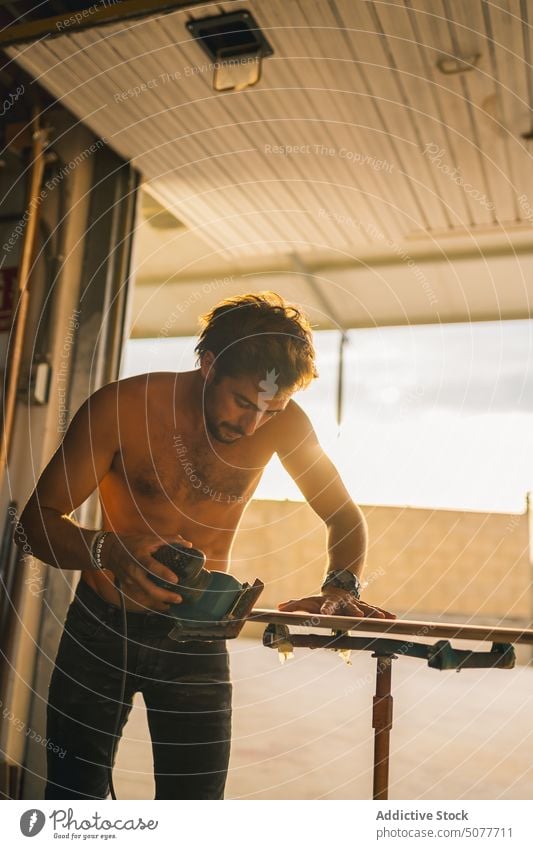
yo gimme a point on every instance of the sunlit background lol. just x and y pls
(433, 416)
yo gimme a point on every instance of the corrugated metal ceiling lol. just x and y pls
(348, 142)
(378, 130)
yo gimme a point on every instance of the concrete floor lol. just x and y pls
(302, 730)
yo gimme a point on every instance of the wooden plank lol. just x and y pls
(185, 108)
(391, 115)
(299, 117)
(263, 188)
(317, 60)
(360, 72)
(285, 106)
(259, 180)
(401, 108)
(506, 26)
(482, 85)
(188, 165)
(417, 75)
(388, 627)
(52, 27)
(437, 34)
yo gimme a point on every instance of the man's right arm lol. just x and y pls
(73, 473)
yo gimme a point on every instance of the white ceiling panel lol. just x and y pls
(351, 137)
(355, 145)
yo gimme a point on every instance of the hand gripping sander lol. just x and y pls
(215, 605)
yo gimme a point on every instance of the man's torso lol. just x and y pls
(170, 477)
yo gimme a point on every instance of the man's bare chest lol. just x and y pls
(185, 470)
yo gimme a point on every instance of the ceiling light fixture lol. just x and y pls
(236, 47)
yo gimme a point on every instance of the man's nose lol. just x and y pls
(250, 422)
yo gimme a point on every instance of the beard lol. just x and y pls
(217, 429)
(221, 431)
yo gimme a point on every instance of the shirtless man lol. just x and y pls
(176, 457)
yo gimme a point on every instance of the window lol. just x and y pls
(435, 416)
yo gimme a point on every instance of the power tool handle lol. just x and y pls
(174, 555)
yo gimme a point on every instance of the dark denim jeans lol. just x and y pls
(186, 688)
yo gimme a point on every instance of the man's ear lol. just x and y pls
(207, 367)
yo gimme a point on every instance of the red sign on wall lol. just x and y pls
(8, 288)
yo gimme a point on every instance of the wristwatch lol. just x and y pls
(343, 579)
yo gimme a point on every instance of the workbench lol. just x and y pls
(386, 639)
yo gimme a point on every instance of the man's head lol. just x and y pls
(254, 351)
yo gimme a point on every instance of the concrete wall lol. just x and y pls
(430, 563)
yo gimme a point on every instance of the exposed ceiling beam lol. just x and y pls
(317, 289)
(88, 18)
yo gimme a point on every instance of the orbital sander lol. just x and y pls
(215, 605)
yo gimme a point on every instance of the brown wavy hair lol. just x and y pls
(258, 332)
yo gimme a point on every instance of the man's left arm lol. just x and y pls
(320, 483)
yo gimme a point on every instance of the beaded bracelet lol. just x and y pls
(96, 549)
